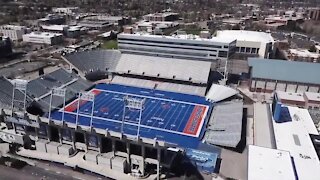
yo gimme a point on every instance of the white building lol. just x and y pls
(178, 46)
(13, 32)
(55, 28)
(292, 134)
(266, 164)
(66, 10)
(250, 42)
(43, 38)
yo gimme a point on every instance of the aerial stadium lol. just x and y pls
(123, 116)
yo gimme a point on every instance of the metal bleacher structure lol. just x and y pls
(86, 62)
(6, 92)
(166, 86)
(40, 88)
(166, 68)
(168, 74)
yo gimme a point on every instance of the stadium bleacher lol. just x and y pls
(42, 85)
(6, 92)
(166, 68)
(133, 82)
(72, 89)
(97, 60)
(182, 88)
(165, 86)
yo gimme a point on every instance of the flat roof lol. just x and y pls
(55, 27)
(262, 127)
(13, 27)
(265, 164)
(304, 53)
(293, 136)
(242, 35)
(282, 70)
(290, 96)
(312, 96)
(43, 34)
(225, 124)
(161, 67)
(225, 39)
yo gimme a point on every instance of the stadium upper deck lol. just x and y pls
(172, 117)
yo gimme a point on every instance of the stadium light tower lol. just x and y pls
(134, 104)
(86, 97)
(19, 85)
(61, 93)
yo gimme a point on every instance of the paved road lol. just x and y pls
(29, 173)
(44, 171)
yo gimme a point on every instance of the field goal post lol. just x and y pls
(133, 103)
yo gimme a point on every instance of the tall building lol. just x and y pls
(13, 32)
(179, 46)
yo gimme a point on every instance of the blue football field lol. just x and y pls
(172, 117)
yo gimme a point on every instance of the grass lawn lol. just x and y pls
(111, 44)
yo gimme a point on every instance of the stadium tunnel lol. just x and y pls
(97, 75)
(34, 108)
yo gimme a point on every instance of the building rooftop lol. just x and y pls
(265, 163)
(312, 96)
(184, 37)
(164, 14)
(290, 96)
(12, 27)
(291, 71)
(242, 35)
(293, 136)
(304, 53)
(225, 124)
(43, 34)
(55, 27)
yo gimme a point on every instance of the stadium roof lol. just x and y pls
(293, 136)
(281, 70)
(218, 93)
(168, 68)
(225, 124)
(242, 35)
(266, 164)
